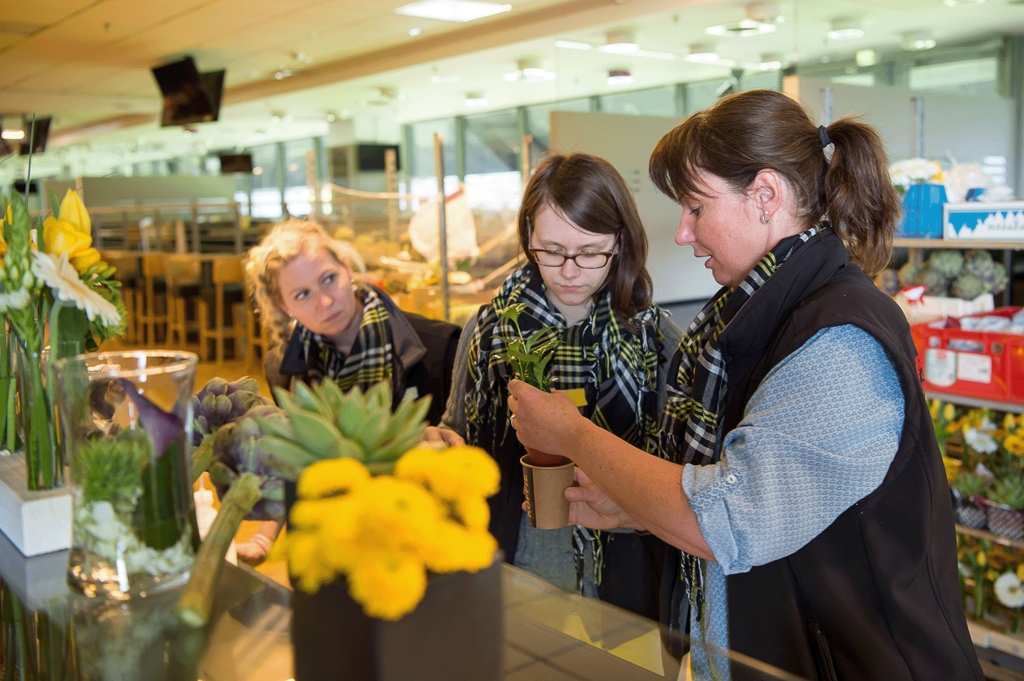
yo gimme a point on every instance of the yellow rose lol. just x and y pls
(60, 236)
(72, 210)
(85, 260)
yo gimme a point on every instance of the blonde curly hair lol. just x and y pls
(279, 247)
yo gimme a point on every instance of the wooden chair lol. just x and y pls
(256, 334)
(153, 310)
(128, 275)
(225, 272)
(184, 283)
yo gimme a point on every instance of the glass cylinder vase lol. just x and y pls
(126, 419)
(36, 419)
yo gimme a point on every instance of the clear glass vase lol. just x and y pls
(37, 421)
(126, 419)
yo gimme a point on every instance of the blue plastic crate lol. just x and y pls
(922, 212)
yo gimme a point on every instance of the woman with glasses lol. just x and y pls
(586, 276)
(325, 323)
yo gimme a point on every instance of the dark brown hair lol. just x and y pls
(750, 131)
(590, 193)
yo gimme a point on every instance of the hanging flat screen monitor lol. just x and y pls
(235, 163)
(188, 96)
(36, 135)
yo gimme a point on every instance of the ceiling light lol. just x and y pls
(282, 74)
(770, 61)
(452, 10)
(12, 134)
(917, 40)
(866, 57)
(620, 42)
(475, 99)
(257, 170)
(530, 71)
(414, 32)
(845, 28)
(571, 45)
(619, 77)
(331, 117)
(957, 3)
(761, 18)
(702, 53)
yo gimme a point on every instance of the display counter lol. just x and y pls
(549, 634)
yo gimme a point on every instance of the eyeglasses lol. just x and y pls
(585, 261)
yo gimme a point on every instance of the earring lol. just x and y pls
(764, 218)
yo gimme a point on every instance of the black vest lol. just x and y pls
(876, 594)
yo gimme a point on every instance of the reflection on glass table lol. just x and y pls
(549, 634)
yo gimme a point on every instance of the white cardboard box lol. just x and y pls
(35, 522)
(935, 307)
(1003, 221)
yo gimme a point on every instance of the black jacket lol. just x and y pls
(424, 354)
(876, 594)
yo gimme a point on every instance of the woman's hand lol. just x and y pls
(543, 421)
(591, 507)
(449, 437)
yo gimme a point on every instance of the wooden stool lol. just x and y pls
(153, 310)
(128, 275)
(256, 335)
(224, 271)
(184, 282)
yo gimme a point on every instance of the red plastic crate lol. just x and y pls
(982, 364)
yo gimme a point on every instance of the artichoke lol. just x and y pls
(999, 278)
(218, 403)
(947, 263)
(888, 281)
(967, 286)
(909, 273)
(977, 262)
(935, 283)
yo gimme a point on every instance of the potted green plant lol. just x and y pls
(968, 489)
(1004, 506)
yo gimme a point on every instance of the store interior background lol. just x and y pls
(324, 80)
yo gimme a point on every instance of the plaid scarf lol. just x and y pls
(370, 360)
(617, 370)
(691, 422)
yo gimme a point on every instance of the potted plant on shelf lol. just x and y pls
(969, 489)
(1005, 501)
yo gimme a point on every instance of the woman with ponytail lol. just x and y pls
(800, 479)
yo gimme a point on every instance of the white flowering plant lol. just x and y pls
(914, 171)
(55, 290)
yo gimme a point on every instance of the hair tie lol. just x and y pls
(823, 136)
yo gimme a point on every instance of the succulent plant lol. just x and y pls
(967, 286)
(948, 263)
(1008, 491)
(934, 282)
(888, 281)
(969, 485)
(321, 422)
(909, 273)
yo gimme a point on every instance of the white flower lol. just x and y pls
(66, 285)
(1009, 590)
(980, 442)
(14, 301)
(914, 170)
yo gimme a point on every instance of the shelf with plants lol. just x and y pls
(977, 402)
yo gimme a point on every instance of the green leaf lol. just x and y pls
(54, 203)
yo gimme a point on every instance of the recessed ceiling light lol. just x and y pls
(414, 32)
(452, 10)
(619, 77)
(620, 42)
(702, 53)
(475, 99)
(572, 45)
(917, 40)
(866, 57)
(845, 28)
(331, 117)
(741, 28)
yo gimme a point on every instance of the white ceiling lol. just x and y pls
(87, 62)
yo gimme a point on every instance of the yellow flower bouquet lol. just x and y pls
(56, 290)
(384, 533)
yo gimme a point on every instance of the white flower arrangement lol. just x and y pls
(980, 441)
(914, 171)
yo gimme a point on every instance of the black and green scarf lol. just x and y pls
(616, 368)
(691, 426)
(370, 360)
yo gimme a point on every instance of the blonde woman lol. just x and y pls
(324, 322)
